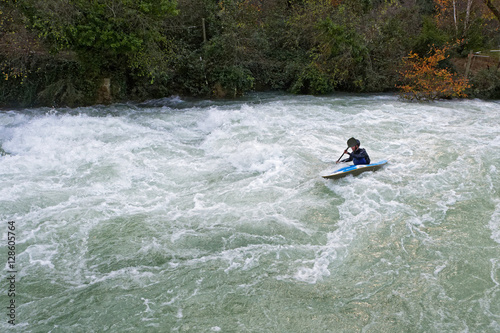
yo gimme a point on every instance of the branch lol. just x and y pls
(493, 9)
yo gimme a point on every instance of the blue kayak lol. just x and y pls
(355, 169)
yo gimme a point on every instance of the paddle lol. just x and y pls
(345, 151)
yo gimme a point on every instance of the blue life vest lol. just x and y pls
(360, 156)
(358, 161)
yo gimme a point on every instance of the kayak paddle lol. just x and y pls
(345, 151)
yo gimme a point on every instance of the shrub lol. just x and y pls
(424, 80)
(486, 84)
(231, 81)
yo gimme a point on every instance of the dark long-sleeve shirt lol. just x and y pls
(360, 156)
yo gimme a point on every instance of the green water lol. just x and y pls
(202, 216)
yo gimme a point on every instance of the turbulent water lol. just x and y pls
(210, 216)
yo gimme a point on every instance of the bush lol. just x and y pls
(313, 81)
(429, 35)
(486, 84)
(47, 81)
(231, 81)
(424, 80)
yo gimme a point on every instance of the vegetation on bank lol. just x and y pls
(81, 52)
(425, 80)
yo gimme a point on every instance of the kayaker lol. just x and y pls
(358, 155)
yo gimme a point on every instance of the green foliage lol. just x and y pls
(486, 84)
(61, 92)
(232, 81)
(425, 7)
(430, 35)
(143, 88)
(313, 80)
(48, 81)
(57, 52)
(475, 38)
(339, 39)
(105, 34)
(391, 31)
(64, 84)
(190, 76)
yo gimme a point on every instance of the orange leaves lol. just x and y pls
(424, 80)
(444, 8)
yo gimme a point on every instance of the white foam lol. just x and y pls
(494, 223)
(232, 193)
(254, 156)
(42, 255)
(318, 271)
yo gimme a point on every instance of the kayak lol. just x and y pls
(355, 169)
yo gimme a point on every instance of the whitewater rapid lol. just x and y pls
(198, 216)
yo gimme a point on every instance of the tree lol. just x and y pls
(17, 44)
(469, 20)
(458, 14)
(424, 80)
(105, 34)
(494, 9)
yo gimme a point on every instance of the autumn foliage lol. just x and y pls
(424, 80)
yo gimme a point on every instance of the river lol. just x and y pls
(212, 216)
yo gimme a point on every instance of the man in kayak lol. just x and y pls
(358, 155)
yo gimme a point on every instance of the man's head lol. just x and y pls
(353, 143)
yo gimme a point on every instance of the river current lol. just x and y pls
(212, 216)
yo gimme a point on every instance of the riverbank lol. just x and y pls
(82, 53)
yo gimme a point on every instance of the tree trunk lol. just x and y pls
(467, 16)
(493, 9)
(455, 17)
